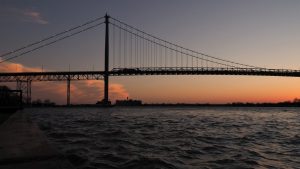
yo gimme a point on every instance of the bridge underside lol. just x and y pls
(98, 75)
(51, 76)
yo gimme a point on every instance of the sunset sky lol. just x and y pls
(264, 33)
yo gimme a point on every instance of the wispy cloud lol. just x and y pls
(23, 15)
(16, 67)
(34, 16)
(81, 91)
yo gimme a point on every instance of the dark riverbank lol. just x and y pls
(23, 145)
(238, 104)
(4, 116)
(6, 113)
(280, 104)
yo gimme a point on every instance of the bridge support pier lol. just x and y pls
(25, 87)
(68, 91)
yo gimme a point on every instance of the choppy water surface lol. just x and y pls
(187, 138)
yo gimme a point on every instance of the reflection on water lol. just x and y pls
(136, 138)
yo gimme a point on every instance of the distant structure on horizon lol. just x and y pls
(103, 103)
(128, 102)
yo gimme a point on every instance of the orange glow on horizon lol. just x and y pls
(212, 89)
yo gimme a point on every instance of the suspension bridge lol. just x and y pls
(128, 52)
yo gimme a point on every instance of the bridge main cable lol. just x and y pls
(52, 37)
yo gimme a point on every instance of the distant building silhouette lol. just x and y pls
(128, 102)
(104, 103)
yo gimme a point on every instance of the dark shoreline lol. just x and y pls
(282, 104)
(6, 113)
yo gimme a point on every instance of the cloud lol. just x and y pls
(16, 67)
(34, 16)
(24, 15)
(89, 91)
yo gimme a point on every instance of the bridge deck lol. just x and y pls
(51, 76)
(204, 71)
(98, 75)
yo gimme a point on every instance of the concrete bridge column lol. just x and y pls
(68, 91)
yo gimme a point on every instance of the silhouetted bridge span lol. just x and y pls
(27, 77)
(51, 76)
(99, 75)
(131, 52)
(204, 71)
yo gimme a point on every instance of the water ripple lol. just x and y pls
(174, 138)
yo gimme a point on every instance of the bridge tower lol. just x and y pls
(106, 101)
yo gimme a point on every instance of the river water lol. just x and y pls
(174, 137)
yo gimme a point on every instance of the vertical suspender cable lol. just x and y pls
(143, 49)
(197, 61)
(171, 58)
(130, 54)
(120, 48)
(125, 46)
(160, 56)
(147, 53)
(176, 57)
(181, 57)
(136, 54)
(165, 56)
(202, 61)
(113, 46)
(155, 55)
(192, 61)
(187, 60)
